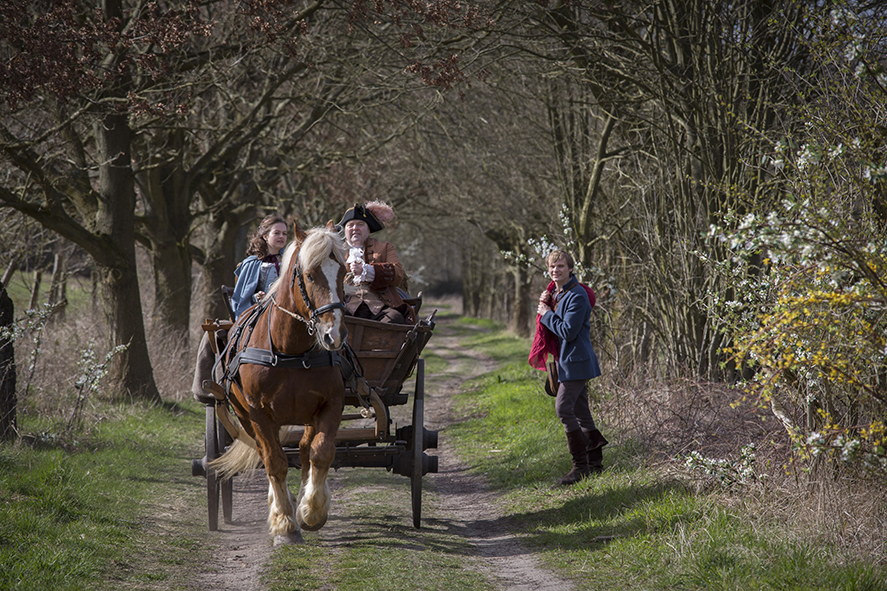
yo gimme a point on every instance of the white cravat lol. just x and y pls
(355, 253)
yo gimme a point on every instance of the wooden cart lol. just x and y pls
(387, 355)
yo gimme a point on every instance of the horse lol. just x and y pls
(282, 366)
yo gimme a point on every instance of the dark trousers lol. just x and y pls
(386, 314)
(571, 406)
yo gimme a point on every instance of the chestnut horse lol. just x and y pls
(282, 366)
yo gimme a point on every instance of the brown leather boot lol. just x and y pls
(595, 451)
(577, 443)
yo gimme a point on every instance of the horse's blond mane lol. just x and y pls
(318, 245)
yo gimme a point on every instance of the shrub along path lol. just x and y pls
(369, 541)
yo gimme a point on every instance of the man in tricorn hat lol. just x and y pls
(375, 269)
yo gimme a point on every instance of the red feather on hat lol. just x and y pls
(383, 212)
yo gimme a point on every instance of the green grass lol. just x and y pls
(116, 508)
(19, 290)
(91, 513)
(371, 568)
(630, 528)
(433, 363)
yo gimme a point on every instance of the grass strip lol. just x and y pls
(632, 527)
(105, 510)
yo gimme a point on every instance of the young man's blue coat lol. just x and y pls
(569, 321)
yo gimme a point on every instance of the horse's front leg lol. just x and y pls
(317, 453)
(281, 522)
(305, 458)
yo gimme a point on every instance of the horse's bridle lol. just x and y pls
(313, 312)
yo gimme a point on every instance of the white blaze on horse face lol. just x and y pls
(334, 332)
(330, 270)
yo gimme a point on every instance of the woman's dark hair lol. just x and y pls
(258, 245)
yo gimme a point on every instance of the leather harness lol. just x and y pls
(312, 358)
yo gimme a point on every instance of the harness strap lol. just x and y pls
(328, 307)
(236, 333)
(267, 358)
(312, 312)
(293, 314)
(352, 374)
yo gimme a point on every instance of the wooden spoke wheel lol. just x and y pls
(212, 452)
(226, 487)
(418, 442)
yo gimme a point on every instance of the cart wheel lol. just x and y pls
(226, 487)
(418, 432)
(212, 483)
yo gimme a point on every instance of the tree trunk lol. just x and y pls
(57, 286)
(113, 247)
(121, 296)
(220, 259)
(123, 312)
(473, 280)
(171, 265)
(94, 290)
(8, 402)
(516, 312)
(35, 290)
(519, 323)
(7, 275)
(165, 231)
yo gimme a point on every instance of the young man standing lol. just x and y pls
(566, 314)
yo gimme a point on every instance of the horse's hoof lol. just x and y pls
(288, 539)
(310, 526)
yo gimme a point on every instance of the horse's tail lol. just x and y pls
(241, 455)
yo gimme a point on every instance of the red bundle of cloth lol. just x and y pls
(544, 341)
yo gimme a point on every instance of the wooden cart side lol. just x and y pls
(387, 353)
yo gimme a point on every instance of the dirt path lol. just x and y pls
(464, 499)
(244, 545)
(460, 500)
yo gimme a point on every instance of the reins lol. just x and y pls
(299, 317)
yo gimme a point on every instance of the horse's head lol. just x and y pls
(318, 283)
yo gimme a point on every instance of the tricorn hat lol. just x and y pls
(360, 212)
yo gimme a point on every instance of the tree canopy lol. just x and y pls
(696, 157)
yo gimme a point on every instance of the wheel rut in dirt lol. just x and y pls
(463, 498)
(244, 545)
